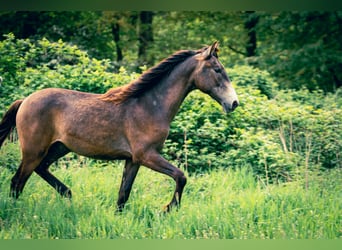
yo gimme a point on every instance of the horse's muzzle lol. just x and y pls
(230, 107)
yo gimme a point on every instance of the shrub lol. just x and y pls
(27, 66)
(244, 76)
(9, 156)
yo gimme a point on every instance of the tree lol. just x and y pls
(292, 46)
(116, 36)
(23, 24)
(302, 48)
(81, 28)
(145, 36)
(250, 25)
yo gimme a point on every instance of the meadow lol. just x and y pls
(219, 204)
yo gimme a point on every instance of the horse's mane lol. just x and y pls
(148, 79)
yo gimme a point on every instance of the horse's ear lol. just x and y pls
(212, 50)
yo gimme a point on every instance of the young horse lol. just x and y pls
(129, 123)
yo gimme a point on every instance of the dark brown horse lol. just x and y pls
(129, 123)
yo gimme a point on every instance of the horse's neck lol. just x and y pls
(170, 93)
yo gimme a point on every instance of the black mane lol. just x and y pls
(148, 79)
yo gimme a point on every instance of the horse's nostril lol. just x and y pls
(234, 105)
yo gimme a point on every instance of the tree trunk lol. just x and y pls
(116, 36)
(250, 25)
(145, 36)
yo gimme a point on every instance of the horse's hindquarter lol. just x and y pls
(81, 121)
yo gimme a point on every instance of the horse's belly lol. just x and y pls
(104, 150)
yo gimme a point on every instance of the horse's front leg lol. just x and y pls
(158, 163)
(129, 173)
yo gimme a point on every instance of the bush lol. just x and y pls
(9, 156)
(245, 76)
(27, 67)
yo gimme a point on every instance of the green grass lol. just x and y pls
(223, 204)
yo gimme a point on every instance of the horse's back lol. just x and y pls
(83, 122)
(52, 97)
(48, 104)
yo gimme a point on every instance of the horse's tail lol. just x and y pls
(8, 121)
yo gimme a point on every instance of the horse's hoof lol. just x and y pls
(67, 194)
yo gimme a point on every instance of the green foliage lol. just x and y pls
(290, 45)
(27, 67)
(12, 62)
(83, 28)
(9, 156)
(244, 76)
(299, 52)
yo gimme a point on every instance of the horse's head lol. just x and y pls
(211, 78)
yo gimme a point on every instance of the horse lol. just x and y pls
(130, 122)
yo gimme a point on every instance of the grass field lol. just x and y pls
(223, 204)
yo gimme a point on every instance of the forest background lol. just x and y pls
(286, 68)
(300, 49)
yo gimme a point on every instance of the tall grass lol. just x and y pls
(223, 204)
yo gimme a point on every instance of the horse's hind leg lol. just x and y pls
(40, 166)
(128, 177)
(21, 176)
(56, 151)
